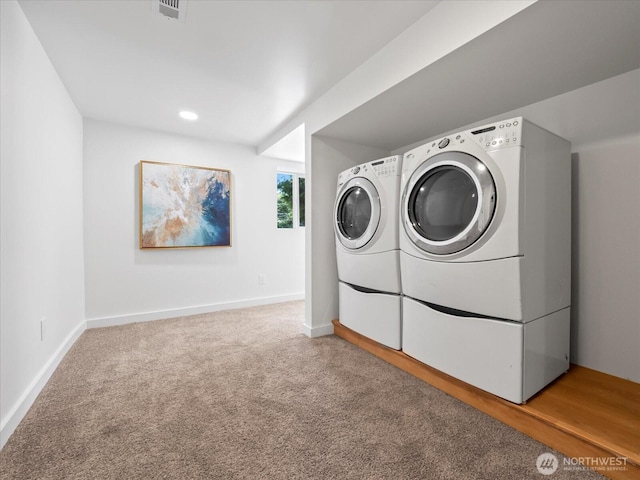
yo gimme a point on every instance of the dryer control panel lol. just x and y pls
(507, 133)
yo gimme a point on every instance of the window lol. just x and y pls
(301, 201)
(290, 193)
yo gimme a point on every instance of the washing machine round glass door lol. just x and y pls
(357, 213)
(448, 203)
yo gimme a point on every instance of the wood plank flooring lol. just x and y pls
(587, 415)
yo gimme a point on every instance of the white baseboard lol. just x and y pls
(181, 312)
(22, 406)
(320, 331)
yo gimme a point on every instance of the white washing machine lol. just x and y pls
(485, 244)
(366, 232)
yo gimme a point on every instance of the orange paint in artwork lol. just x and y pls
(148, 238)
(173, 227)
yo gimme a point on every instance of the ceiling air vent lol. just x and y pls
(170, 9)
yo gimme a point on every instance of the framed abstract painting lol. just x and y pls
(184, 206)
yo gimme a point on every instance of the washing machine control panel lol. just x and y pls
(506, 133)
(443, 143)
(387, 167)
(352, 172)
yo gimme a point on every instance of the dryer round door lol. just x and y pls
(448, 203)
(357, 213)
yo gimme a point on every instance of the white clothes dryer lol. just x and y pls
(367, 252)
(485, 256)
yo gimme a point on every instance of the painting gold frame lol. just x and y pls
(184, 206)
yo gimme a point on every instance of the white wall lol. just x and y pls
(331, 157)
(41, 218)
(605, 317)
(124, 283)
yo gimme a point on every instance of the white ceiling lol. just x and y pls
(245, 67)
(549, 48)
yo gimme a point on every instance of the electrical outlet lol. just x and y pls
(262, 279)
(42, 328)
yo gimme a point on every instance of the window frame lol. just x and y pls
(295, 198)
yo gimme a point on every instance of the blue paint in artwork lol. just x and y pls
(150, 214)
(215, 224)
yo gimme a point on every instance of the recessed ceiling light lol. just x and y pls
(189, 115)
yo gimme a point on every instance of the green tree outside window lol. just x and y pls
(285, 200)
(290, 195)
(301, 201)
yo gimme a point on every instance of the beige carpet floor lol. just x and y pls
(242, 394)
